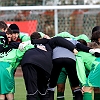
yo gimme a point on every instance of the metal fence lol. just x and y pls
(53, 19)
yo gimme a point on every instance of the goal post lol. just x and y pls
(49, 7)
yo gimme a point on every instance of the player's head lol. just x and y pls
(96, 37)
(9, 34)
(35, 35)
(96, 28)
(3, 26)
(82, 41)
(15, 30)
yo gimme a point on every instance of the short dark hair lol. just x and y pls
(82, 41)
(3, 25)
(95, 36)
(96, 28)
(35, 35)
(9, 31)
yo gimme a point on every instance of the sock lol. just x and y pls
(78, 94)
(87, 96)
(51, 95)
(60, 96)
(96, 96)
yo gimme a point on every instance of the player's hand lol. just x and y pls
(75, 51)
(92, 51)
(41, 47)
(23, 44)
(46, 36)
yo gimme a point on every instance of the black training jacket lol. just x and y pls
(41, 58)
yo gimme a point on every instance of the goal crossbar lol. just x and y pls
(49, 7)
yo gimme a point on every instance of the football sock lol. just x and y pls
(78, 94)
(87, 96)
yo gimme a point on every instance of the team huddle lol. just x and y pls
(47, 61)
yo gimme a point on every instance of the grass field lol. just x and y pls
(20, 93)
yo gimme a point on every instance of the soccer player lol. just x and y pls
(63, 75)
(91, 63)
(17, 35)
(39, 66)
(8, 64)
(96, 38)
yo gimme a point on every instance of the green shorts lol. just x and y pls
(7, 83)
(62, 77)
(93, 79)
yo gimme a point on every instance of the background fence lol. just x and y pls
(76, 19)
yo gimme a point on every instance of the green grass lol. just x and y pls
(20, 93)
